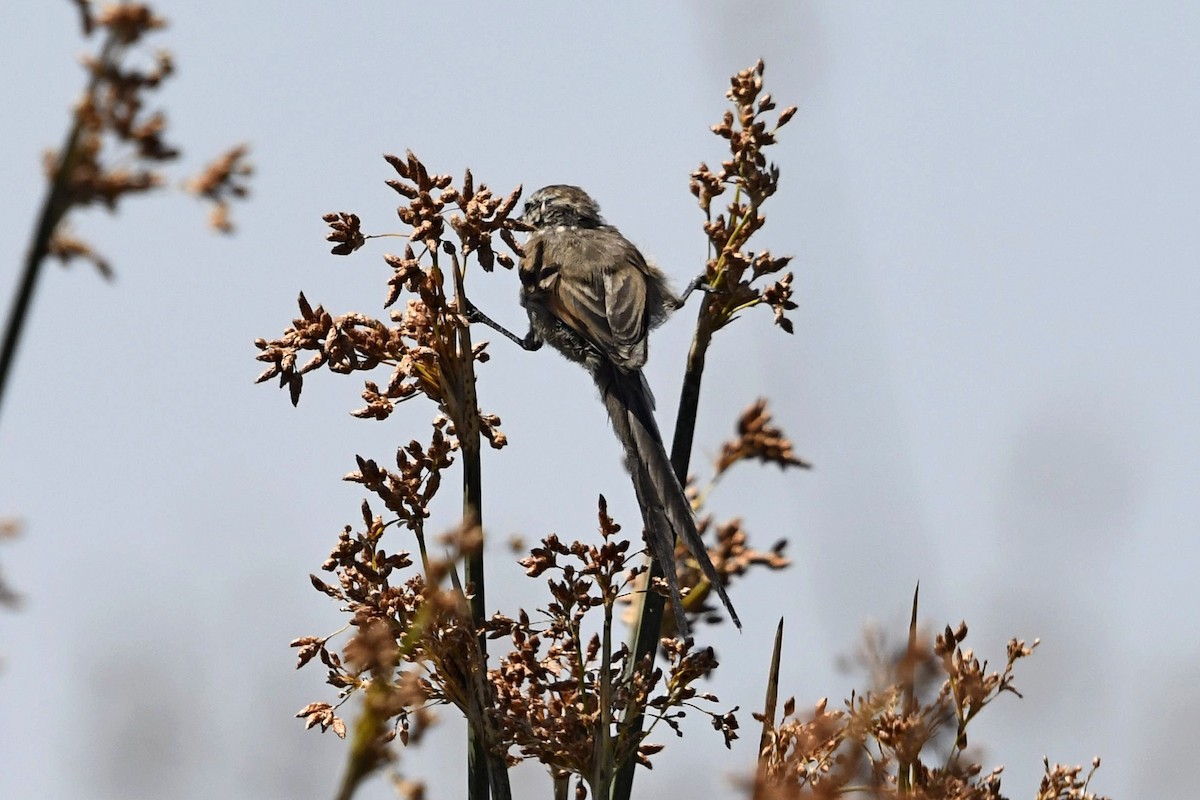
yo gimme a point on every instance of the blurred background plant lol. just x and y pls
(114, 148)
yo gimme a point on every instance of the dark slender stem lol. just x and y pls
(908, 679)
(649, 623)
(54, 207)
(689, 402)
(603, 757)
(768, 714)
(478, 782)
(486, 769)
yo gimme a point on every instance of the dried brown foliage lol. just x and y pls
(427, 345)
(414, 642)
(117, 147)
(221, 182)
(758, 440)
(114, 148)
(905, 737)
(560, 693)
(1063, 782)
(733, 273)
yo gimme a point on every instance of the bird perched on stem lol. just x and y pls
(593, 297)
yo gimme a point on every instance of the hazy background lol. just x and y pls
(994, 215)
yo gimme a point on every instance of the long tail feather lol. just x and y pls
(665, 508)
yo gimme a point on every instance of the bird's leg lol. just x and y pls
(529, 342)
(699, 282)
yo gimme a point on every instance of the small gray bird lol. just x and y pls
(593, 297)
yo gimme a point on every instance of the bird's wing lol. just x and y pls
(625, 310)
(599, 291)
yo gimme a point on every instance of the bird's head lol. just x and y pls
(570, 206)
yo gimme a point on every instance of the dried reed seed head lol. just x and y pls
(87, 21)
(346, 232)
(747, 169)
(758, 439)
(894, 726)
(128, 22)
(111, 113)
(221, 182)
(322, 714)
(66, 247)
(373, 648)
(544, 709)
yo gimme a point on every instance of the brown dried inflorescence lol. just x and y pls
(904, 738)
(560, 693)
(733, 272)
(426, 344)
(557, 695)
(1063, 782)
(412, 642)
(416, 639)
(758, 440)
(221, 182)
(116, 148)
(407, 493)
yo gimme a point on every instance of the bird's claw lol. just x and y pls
(699, 282)
(469, 311)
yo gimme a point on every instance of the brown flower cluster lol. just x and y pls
(1062, 782)
(221, 182)
(758, 440)
(407, 493)
(732, 270)
(905, 738)
(415, 643)
(115, 147)
(560, 694)
(480, 214)
(557, 696)
(427, 345)
(412, 643)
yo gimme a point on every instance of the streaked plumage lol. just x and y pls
(592, 296)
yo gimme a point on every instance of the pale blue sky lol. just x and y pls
(995, 221)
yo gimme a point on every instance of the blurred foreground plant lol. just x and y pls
(904, 737)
